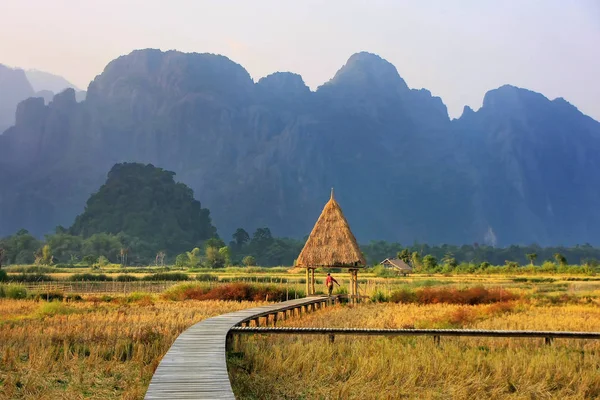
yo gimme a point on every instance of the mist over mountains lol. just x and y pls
(522, 169)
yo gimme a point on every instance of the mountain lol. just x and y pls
(41, 80)
(521, 169)
(14, 87)
(145, 202)
(17, 85)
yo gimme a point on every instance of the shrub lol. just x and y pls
(73, 297)
(379, 297)
(126, 278)
(31, 278)
(167, 276)
(383, 272)
(249, 261)
(341, 290)
(50, 296)
(207, 278)
(3, 275)
(14, 292)
(90, 278)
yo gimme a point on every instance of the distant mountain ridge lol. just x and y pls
(522, 169)
(41, 80)
(17, 85)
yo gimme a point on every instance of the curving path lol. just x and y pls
(195, 367)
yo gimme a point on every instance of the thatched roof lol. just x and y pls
(331, 243)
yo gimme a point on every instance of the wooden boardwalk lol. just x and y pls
(195, 367)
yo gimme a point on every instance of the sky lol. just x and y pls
(457, 49)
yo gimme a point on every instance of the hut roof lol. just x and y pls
(331, 242)
(396, 264)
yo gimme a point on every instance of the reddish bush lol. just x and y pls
(470, 296)
(232, 292)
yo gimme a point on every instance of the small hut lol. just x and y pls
(398, 265)
(331, 244)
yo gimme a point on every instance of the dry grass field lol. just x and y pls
(309, 367)
(107, 347)
(91, 349)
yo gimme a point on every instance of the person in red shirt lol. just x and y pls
(329, 283)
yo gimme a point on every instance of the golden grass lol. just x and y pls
(276, 367)
(89, 349)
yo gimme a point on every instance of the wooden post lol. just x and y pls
(307, 282)
(313, 282)
(352, 287)
(356, 285)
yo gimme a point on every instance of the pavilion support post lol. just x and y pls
(312, 280)
(356, 285)
(307, 282)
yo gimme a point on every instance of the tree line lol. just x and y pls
(262, 248)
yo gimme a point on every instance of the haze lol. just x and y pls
(457, 50)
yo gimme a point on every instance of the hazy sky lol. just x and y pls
(457, 49)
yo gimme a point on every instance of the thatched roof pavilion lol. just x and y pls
(331, 244)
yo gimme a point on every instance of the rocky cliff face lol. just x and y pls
(14, 87)
(267, 153)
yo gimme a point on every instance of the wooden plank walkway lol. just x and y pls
(195, 367)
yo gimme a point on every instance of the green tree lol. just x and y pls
(404, 255)
(240, 237)
(249, 261)
(429, 262)
(182, 260)
(20, 248)
(102, 261)
(225, 253)
(449, 260)
(214, 241)
(531, 257)
(560, 259)
(214, 258)
(415, 259)
(64, 246)
(102, 244)
(44, 257)
(90, 260)
(193, 257)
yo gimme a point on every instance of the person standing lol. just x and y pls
(329, 283)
